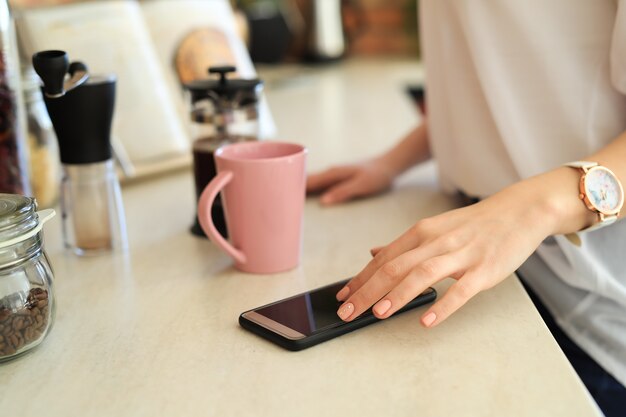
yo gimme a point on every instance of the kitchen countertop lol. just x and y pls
(154, 332)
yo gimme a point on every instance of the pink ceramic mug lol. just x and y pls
(263, 192)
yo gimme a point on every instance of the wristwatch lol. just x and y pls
(601, 191)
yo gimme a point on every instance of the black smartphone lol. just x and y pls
(307, 319)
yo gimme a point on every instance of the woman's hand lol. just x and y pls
(346, 182)
(478, 246)
(343, 183)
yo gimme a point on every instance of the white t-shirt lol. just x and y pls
(516, 88)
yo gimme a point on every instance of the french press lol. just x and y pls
(223, 110)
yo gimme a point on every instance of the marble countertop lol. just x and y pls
(154, 332)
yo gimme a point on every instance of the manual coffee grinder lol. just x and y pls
(81, 110)
(223, 110)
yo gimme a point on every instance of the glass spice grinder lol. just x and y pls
(81, 109)
(223, 111)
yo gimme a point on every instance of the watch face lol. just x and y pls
(604, 190)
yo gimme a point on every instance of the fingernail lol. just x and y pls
(326, 199)
(345, 311)
(382, 307)
(429, 319)
(341, 295)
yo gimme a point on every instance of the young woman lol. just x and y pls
(516, 91)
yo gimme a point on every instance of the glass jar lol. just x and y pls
(45, 167)
(26, 292)
(92, 209)
(13, 152)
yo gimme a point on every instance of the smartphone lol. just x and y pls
(306, 319)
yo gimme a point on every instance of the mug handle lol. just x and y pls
(204, 215)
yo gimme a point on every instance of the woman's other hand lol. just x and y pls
(343, 183)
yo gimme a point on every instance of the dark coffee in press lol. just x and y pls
(223, 111)
(204, 170)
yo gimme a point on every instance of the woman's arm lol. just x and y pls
(346, 182)
(478, 245)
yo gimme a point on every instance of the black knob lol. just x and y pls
(222, 71)
(51, 66)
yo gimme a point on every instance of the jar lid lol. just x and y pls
(223, 87)
(16, 210)
(19, 220)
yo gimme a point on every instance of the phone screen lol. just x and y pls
(308, 312)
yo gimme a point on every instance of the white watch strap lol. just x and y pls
(575, 239)
(584, 165)
(600, 224)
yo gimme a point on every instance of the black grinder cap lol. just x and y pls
(82, 120)
(225, 88)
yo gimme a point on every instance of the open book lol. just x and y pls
(138, 41)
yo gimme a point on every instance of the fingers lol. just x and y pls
(341, 184)
(412, 272)
(406, 242)
(417, 280)
(344, 191)
(323, 180)
(347, 182)
(457, 295)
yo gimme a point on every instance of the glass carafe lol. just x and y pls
(223, 111)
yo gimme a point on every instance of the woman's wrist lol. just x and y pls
(554, 200)
(389, 165)
(411, 150)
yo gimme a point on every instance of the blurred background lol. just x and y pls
(315, 30)
(157, 47)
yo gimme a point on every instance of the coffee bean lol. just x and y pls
(20, 341)
(18, 323)
(29, 333)
(22, 326)
(41, 295)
